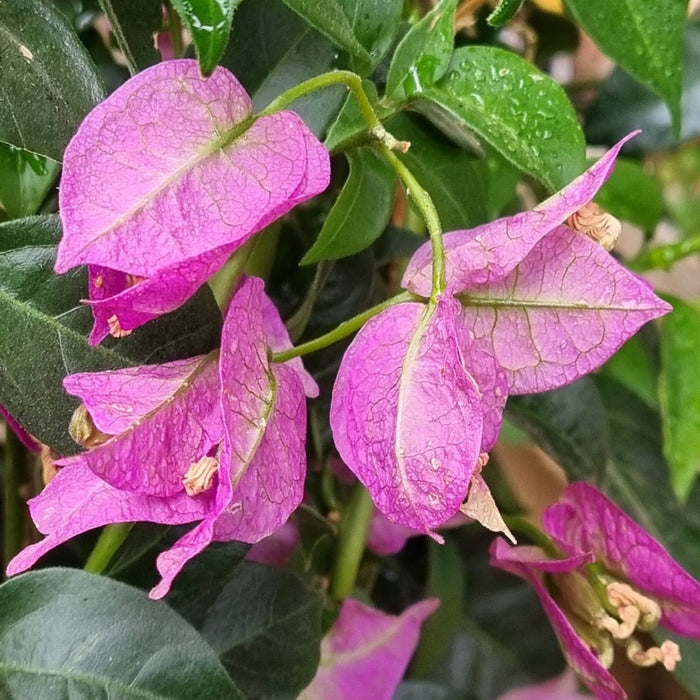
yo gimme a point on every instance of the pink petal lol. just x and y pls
(171, 166)
(76, 500)
(405, 414)
(276, 549)
(577, 653)
(365, 654)
(585, 520)
(165, 417)
(265, 418)
(486, 254)
(386, 538)
(24, 437)
(566, 308)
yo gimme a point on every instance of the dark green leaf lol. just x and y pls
(422, 690)
(424, 53)
(644, 38)
(134, 24)
(632, 195)
(272, 49)
(679, 394)
(504, 12)
(47, 83)
(375, 24)
(517, 109)
(330, 18)
(264, 623)
(25, 178)
(209, 23)
(633, 366)
(99, 638)
(362, 210)
(45, 328)
(457, 182)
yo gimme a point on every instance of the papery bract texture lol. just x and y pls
(563, 687)
(564, 310)
(487, 253)
(406, 416)
(162, 419)
(365, 654)
(170, 175)
(76, 501)
(585, 520)
(528, 563)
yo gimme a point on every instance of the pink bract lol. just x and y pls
(365, 654)
(236, 408)
(171, 174)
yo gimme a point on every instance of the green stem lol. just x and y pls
(343, 330)
(428, 212)
(339, 77)
(13, 517)
(352, 534)
(296, 324)
(666, 255)
(518, 524)
(107, 545)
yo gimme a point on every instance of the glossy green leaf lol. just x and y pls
(644, 38)
(362, 209)
(263, 622)
(45, 329)
(330, 18)
(272, 49)
(634, 366)
(504, 12)
(65, 633)
(459, 184)
(25, 178)
(632, 194)
(134, 24)
(209, 23)
(48, 82)
(424, 53)
(679, 393)
(515, 108)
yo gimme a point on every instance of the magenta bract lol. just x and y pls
(167, 177)
(365, 654)
(196, 439)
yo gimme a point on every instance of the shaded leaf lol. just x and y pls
(25, 178)
(45, 326)
(504, 12)
(679, 395)
(644, 38)
(264, 623)
(422, 56)
(134, 24)
(489, 90)
(48, 82)
(84, 620)
(209, 23)
(633, 365)
(361, 211)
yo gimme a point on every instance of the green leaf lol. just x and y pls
(100, 638)
(209, 23)
(134, 24)
(424, 53)
(264, 623)
(45, 328)
(517, 109)
(330, 18)
(272, 49)
(634, 366)
(48, 82)
(504, 12)
(632, 194)
(679, 393)
(464, 189)
(645, 38)
(25, 178)
(362, 209)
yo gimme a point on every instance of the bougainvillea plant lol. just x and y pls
(293, 294)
